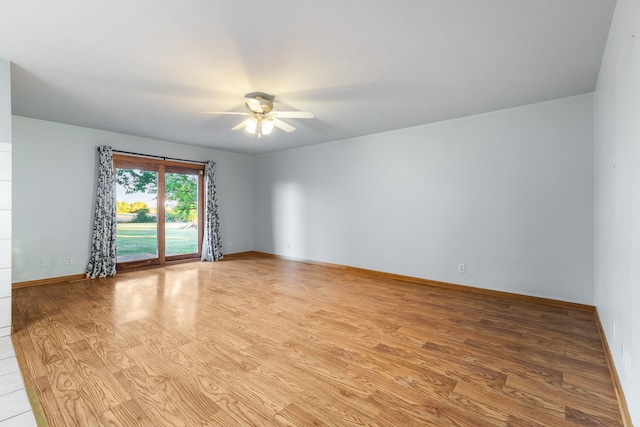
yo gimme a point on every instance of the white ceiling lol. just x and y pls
(148, 67)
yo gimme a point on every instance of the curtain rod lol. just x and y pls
(158, 157)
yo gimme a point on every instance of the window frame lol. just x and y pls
(162, 167)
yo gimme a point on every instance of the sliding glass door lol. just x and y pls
(159, 211)
(136, 215)
(181, 213)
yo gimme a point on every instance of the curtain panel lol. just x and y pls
(212, 241)
(102, 262)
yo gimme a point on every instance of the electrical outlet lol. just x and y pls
(44, 263)
(462, 268)
(69, 260)
(229, 243)
(54, 262)
(626, 361)
(613, 329)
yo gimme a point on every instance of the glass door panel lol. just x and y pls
(181, 213)
(136, 215)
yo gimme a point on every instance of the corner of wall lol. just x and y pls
(5, 197)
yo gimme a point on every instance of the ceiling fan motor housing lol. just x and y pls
(259, 103)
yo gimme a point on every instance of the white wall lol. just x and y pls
(5, 198)
(508, 193)
(54, 169)
(618, 197)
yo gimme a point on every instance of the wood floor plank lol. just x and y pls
(76, 406)
(234, 409)
(260, 341)
(294, 416)
(48, 401)
(151, 399)
(585, 418)
(581, 399)
(128, 414)
(48, 349)
(552, 416)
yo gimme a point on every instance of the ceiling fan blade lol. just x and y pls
(241, 125)
(282, 125)
(224, 112)
(293, 114)
(254, 104)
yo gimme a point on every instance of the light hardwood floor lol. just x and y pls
(260, 341)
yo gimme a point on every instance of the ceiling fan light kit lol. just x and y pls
(263, 119)
(266, 126)
(259, 125)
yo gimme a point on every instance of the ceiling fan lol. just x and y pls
(262, 118)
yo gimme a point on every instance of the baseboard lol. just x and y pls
(622, 402)
(241, 254)
(464, 288)
(48, 281)
(76, 277)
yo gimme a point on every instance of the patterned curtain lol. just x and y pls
(212, 242)
(102, 262)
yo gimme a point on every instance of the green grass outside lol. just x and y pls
(139, 241)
